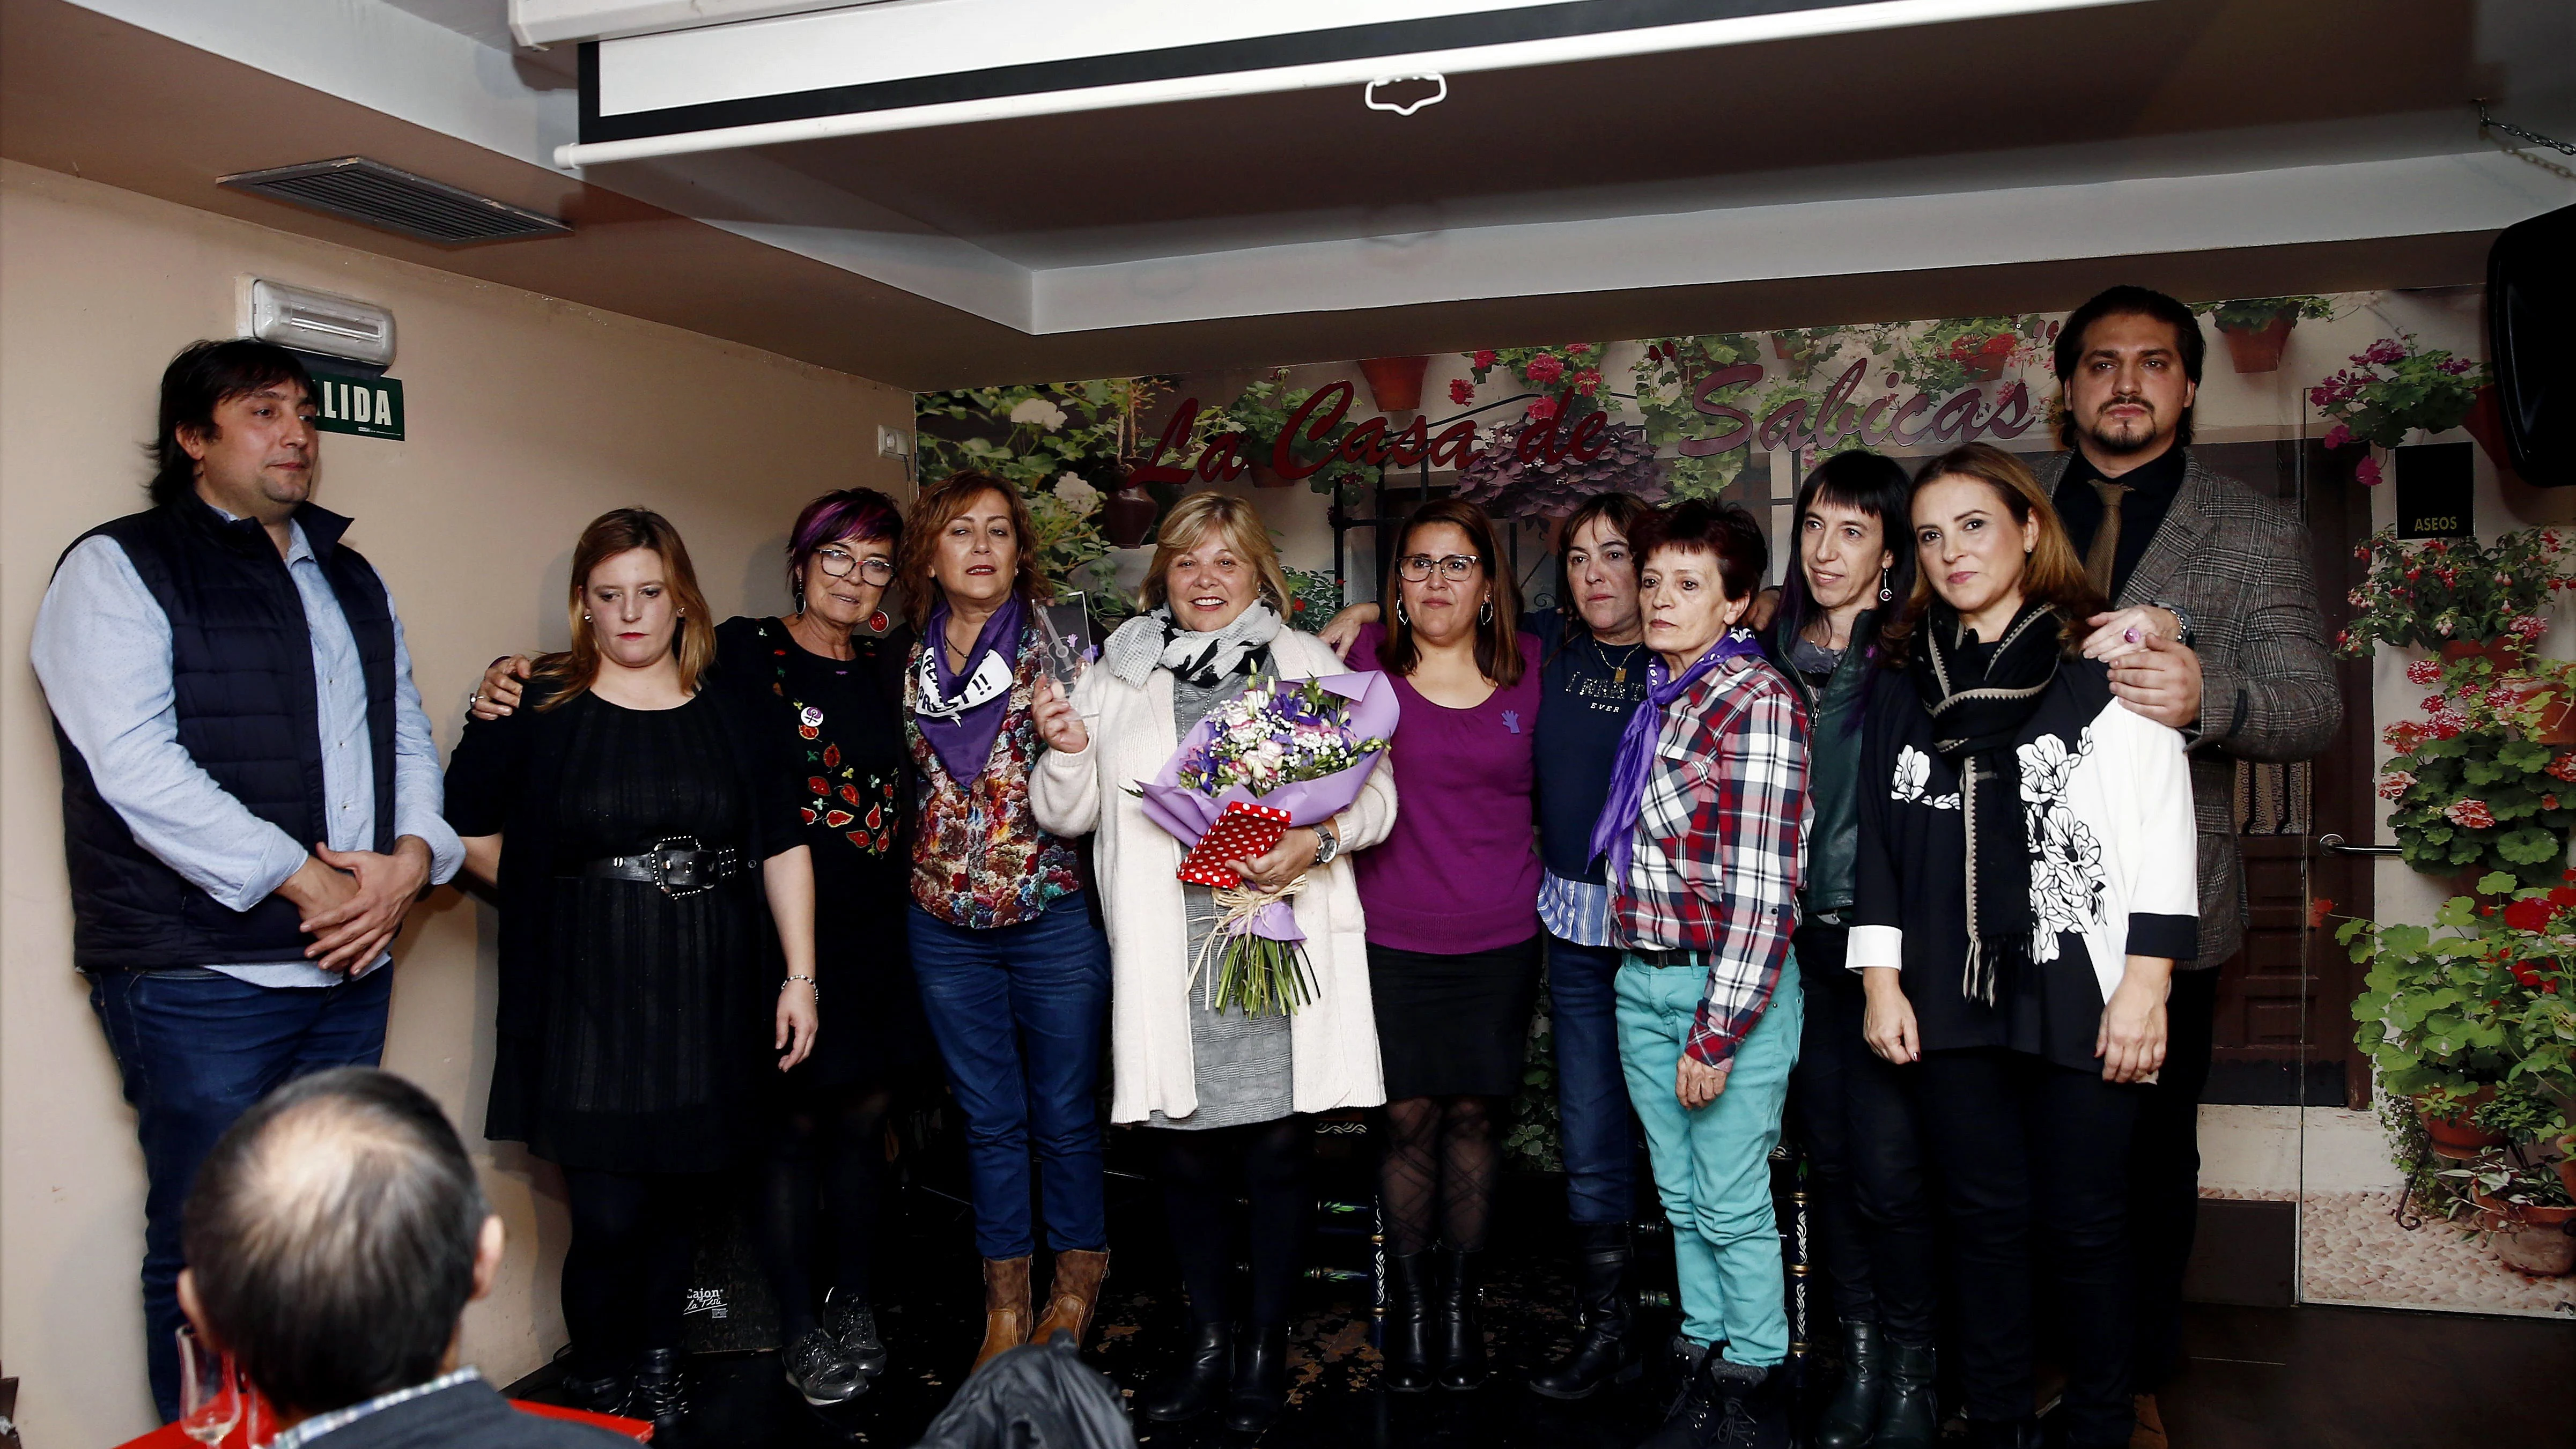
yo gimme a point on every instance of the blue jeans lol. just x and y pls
(1713, 1164)
(1018, 1012)
(1591, 1095)
(195, 1050)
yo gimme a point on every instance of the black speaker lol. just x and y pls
(2531, 328)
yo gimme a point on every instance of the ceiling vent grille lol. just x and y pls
(381, 196)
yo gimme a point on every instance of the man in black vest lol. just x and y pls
(2214, 630)
(251, 794)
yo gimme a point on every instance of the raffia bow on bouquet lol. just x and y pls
(1276, 757)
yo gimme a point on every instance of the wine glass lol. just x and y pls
(210, 1393)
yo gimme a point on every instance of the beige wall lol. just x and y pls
(527, 417)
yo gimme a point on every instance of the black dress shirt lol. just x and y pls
(2152, 487)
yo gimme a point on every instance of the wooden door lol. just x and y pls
(2284, 1029)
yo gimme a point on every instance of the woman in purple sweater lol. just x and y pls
(1452, 904)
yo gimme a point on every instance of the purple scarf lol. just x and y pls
(961, 717)
(1613, 832)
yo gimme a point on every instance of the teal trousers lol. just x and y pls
(1713, 1165)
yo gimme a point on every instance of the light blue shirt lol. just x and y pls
(1574, 910)
(102, 651)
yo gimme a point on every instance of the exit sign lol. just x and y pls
(370, 407)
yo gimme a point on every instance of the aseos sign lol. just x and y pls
(1838, 418)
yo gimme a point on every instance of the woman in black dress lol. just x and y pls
(641, 1003)
(823, 689)
(829, 697)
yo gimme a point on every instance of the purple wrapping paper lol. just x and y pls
(1187, 814)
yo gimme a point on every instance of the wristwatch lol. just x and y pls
(1327, 845)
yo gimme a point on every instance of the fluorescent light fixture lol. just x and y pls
(871, 69)
(310, 321)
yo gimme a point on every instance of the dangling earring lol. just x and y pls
(1399, 612)
(878, 623)
(1485, 612)
(1884, 592)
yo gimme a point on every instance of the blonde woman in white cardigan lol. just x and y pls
(1229, 1094)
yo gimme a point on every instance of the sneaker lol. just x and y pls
(818, 1369)
(854, 1324)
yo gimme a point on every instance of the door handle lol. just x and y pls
(2335, 843)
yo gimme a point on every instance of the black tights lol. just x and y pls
(626, 1275)
(1205, 1170)
(826, 1158)
(1436, 1176)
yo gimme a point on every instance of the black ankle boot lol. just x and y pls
(1457, 1335)
(1406, 1333)
(1909, 1410)
(1851, 1415)
(661, 1390)
(1198, 1385)
(1260, 1380)
(1604, 1351)
(598, 1393)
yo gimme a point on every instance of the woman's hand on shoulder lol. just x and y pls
(498, 692)
(1059, 724)
(1343, 629)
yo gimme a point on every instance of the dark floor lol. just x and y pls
(2259, 1377)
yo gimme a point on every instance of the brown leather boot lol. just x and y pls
(1075, 1292)
(1006, 1307)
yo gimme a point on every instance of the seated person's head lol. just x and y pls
(334, 1237)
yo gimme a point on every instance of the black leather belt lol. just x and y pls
(680, 866)
(1662, 959)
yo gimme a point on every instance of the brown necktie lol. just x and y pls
(2105, 553)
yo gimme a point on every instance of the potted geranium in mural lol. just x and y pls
(2471, 1022)
(2461, 597)
(1538, 467)
(2393, 388)
(2257, 328)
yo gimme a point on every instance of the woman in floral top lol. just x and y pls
(1001, 941)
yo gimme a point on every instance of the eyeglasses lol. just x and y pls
(1415, 567)
(839, 562)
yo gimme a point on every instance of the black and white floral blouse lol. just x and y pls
(2107, 799)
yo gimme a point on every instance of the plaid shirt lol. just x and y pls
(1721, 834)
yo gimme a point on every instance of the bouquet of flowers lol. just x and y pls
(1277, 756)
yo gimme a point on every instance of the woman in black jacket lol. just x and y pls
(2026, 882)
(1854, 563)
(650, 848)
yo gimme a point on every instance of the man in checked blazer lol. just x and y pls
(2214, 629)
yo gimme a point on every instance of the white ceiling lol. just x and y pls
(2146, 128)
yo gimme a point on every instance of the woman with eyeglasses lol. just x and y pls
(1592, 677)
(824, 684)
(1451, 899)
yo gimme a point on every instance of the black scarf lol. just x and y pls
(1978, 712)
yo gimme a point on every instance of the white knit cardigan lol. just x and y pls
(1333, 1038)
